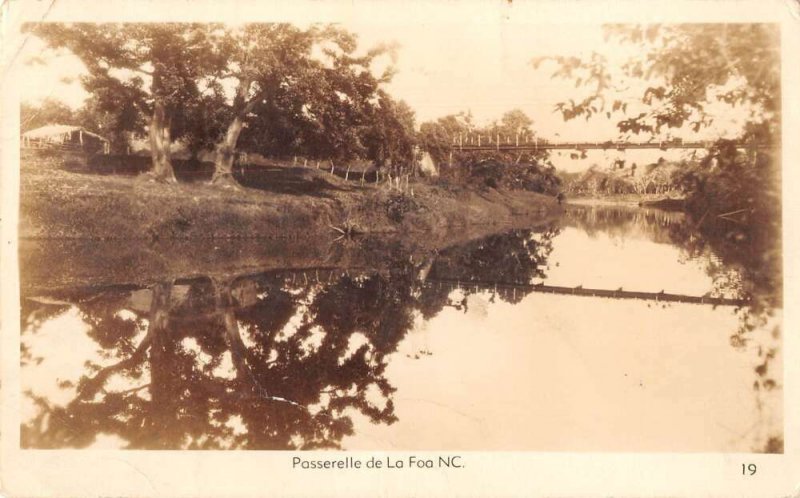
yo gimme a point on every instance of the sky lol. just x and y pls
(443, 69)
(440, 71)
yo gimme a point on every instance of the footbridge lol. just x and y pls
(529, 143)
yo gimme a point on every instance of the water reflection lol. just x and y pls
(449, 349)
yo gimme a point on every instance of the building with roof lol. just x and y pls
(66, 137)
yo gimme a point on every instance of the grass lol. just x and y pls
(277, 202)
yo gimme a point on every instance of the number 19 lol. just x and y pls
(748, 469)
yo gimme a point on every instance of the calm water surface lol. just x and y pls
(449, 350)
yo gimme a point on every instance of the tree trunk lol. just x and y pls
(226, 149)
(226, 153)
(160, 142)
(225, 308)
(166, 383)
(157, 324)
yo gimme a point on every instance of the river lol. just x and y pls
(498, 343)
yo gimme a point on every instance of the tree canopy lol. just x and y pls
(682, 70)
(283, 89)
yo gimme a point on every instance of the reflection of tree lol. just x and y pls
(34, 314)
(273, 362)
(277, 393)
(743, 260)
(259, 361)
(623, 221)
(514, 257)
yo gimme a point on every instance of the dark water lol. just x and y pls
(458, 348)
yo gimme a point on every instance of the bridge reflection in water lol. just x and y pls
(504, 289)
(410, 352)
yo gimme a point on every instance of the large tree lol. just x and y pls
(309, 93)
(290, 90)
(391, 138)
(437, 137)
(154, 67)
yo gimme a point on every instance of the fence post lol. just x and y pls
(497, 144)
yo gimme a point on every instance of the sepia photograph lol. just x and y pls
(369, 237)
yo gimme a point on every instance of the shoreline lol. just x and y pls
(664, 203)
(63, 205)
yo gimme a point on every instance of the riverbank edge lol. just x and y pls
(663, 203)
(60, 205)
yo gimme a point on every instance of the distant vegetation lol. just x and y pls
(659, 178)
(497, 169)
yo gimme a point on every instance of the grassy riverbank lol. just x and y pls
(285, 203)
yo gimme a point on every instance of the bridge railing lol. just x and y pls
(528, 141)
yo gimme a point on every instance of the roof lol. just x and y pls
(56, 130)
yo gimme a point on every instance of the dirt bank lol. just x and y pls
(289, 203)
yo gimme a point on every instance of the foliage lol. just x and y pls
(286, 90)
(733, 195)
(685, 68)
(656, 178)
(327, 108)
(151, 69)
(497, 169)
(49, 111)
(132, 65)
(514, 176)
(437, 137)
(390, 139)
(736, 199)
